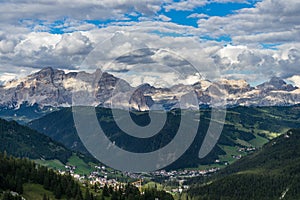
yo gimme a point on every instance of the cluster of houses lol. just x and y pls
(184, 173)
(247, 149)
(100, 176)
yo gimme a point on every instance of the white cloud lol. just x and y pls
(231, 53)
(198, 15)
(5, 77)
(295, 80)
(41, 49)
(268, 22)
(7, 46)
(73, 44)
(186, 5)
(164, 18)
(52, 10)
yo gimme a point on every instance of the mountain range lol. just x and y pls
(54, 88)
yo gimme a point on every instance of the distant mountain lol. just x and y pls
(271, 173)
(21, 141)
(25, 113)
(52, 87)
(276, 84)
(244, 127)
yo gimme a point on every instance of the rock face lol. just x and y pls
(45, 87)
(52, 87)
(276, 84)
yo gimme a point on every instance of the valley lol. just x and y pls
(248, 131)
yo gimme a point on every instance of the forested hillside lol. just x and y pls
(21, 141)
(271, 173)
(14, 173)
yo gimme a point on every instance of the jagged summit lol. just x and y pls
(276, 83)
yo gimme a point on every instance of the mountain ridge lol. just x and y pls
(53, 87)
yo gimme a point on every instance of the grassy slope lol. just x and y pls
(82, 167)
(36, 192)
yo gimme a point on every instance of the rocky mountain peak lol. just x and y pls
(45, 72)
(276, 83)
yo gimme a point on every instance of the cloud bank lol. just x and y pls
(252, 43)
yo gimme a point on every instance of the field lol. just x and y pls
(36, 192)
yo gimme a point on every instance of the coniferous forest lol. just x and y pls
(14, 173)
(270, 173)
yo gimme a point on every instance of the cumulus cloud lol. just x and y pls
(268, 22)
(42, 49)
(141, 52)
(185, 5)
(74, 44)
(290, 66)
(255, 63)
(51, 10)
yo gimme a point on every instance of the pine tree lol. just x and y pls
(45, 197)
(46, 182)
(58, 191)
(88, 194)
(105, 191)
(19, 186)
(102, 196)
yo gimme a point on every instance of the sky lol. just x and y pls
(252, 40)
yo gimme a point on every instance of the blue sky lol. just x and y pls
(212, 9)
(181, 17)
(261, 38)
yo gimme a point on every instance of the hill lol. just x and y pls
(21, 141)
(271, 173)
(25, 113)
(244, 127)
